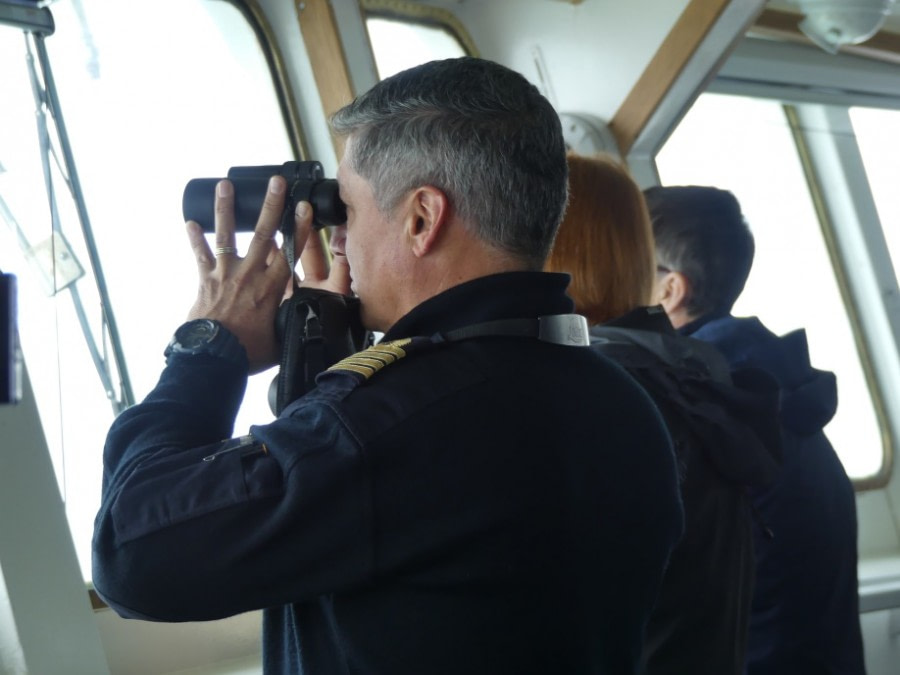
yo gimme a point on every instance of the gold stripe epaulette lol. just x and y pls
(370, 361)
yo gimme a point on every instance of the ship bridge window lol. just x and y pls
(730, 142)
(810, 152)
(404, 34)
(145, 111)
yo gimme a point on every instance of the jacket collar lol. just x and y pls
(509, 295)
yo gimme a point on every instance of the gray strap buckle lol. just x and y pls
(564, 329)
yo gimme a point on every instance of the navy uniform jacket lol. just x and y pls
(491, 505)
(805, 618)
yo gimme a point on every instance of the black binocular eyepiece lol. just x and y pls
(306, 182)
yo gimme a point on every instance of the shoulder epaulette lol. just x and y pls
(370, 361)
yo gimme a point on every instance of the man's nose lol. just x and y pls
(338, 240)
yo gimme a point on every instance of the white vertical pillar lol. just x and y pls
(47, 624)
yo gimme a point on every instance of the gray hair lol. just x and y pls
(701, 232)
(474, 129)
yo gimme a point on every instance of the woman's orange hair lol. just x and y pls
(605, 241)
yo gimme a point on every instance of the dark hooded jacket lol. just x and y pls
(805, 617)
(726, 438)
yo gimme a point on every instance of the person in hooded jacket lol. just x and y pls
(724, 428)
(805, 616)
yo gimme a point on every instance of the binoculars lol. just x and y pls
(306, 182)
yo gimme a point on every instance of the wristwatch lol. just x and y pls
(206, 336)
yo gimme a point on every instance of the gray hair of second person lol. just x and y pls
(476, 130)
(701, 232)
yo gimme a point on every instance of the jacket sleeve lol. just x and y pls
(195, 528)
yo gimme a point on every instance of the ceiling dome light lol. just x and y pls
(833, 23)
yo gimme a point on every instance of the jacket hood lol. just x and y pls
(733, 416)
(808, 398)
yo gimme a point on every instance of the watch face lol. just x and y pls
(196, 334)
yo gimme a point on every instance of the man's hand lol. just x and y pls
(244, 293)
(317, 271)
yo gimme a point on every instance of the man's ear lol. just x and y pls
(673, 292)
(428, 212)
